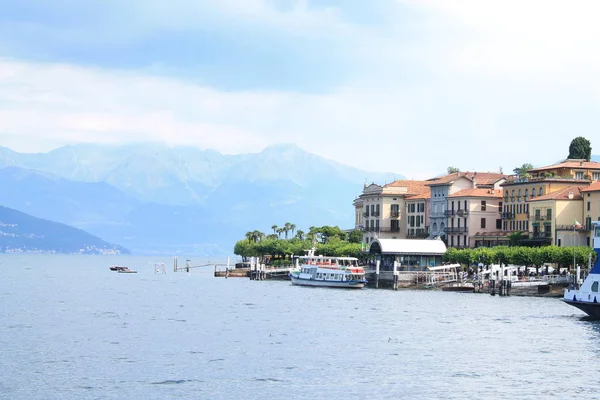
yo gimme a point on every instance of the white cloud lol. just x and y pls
(471, 84)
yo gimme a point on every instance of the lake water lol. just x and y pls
(72, 329)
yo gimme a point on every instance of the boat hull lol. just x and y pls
(325, 283)
(591, 309)
(464, 289)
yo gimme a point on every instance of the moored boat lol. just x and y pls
(126, 270)
(459, 287)
(117, 268)
(326, 271)
(586, 295)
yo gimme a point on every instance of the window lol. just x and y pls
(596, 176)
(541, 191)
(498, 224)
(465, 204)
(483, 205)
(579, 175)
(482, 223)
(588, 206)
(549, 214)
(533, 192)
(595, 287)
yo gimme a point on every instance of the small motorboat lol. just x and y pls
(126, 270)
(122, 269)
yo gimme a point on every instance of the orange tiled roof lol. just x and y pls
(495, 193)
(413, 187)
(482, 178)
(569, 163)
(562, 194)
(592, 188)
(423, 196)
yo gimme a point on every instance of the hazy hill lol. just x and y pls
(20, 232)
(151, 197)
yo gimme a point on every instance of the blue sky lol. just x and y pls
(405, 86)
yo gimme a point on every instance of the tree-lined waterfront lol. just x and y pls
(329, 240)
(520, 255)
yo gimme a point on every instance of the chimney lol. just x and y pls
(570, 195)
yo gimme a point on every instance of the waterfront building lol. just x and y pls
(445, 186)
(555, 218)
(591, 207)
(417, 216)
(380, 210)
(570, 169)
(408, 254)
(520, 190)
(474, 218)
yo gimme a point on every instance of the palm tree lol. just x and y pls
(286, 228)
(300, 234)
(292, 228)
(279, 232)
(274, 227)
(249, 236)
(257, 236)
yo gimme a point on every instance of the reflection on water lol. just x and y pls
(72, 329)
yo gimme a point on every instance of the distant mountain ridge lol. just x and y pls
(22, 233)
(151, 197)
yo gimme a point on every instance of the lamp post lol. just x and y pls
(574, 266)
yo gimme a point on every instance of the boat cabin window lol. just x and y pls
(595, 287)
(597, 231)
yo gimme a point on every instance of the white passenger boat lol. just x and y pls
(586, 296)
(339, 272)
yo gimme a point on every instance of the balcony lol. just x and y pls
(449, 213)
(417, 234)
(366, 214)
(376, 214)
(394, 214)
(539, 218)
(455, 230)
(508, 215)
(390, 229)
(541, 235)
(584, 228)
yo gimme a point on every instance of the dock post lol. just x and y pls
(377, 264)
(395, 284)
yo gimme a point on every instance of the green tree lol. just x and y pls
(355, 236)
(580, 148)
(453, 170)
(274, 227)
(521, 171)
(300, 234)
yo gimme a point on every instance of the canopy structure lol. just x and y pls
(444, 267)
(434, 247)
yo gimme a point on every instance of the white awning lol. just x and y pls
(408, 246)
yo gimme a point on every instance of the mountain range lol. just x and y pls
(20, 232)
(154, 199)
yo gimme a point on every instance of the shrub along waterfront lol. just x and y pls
(328, 240)
(520, 255)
